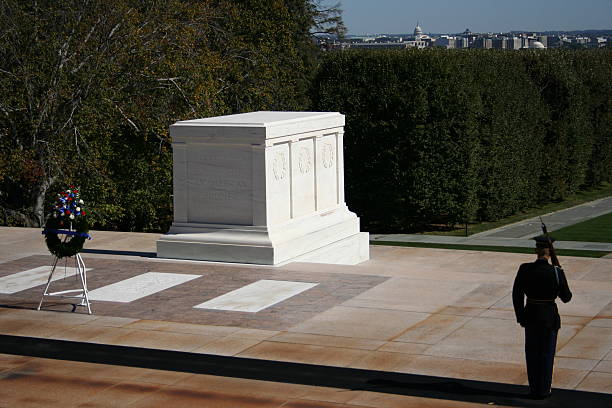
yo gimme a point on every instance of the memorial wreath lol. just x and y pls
(67, 218)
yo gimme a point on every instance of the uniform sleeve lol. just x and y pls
(518, 297)
(564, 291)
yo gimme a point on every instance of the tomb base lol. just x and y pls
(329, 237)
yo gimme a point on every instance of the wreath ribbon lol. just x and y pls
(73, 240)
(65, 232)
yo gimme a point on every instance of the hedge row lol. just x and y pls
(449, 136)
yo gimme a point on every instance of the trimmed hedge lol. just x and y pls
(448, 136)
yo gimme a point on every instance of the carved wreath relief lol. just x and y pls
(279, 165)
(328, 155)
(304, 161)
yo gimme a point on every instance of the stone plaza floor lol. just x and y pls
(412, 327)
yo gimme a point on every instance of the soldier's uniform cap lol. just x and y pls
(542, 241)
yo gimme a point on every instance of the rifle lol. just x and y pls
(551, 249)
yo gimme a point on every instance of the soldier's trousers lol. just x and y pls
(540, 346)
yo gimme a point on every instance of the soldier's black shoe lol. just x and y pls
(539, 396)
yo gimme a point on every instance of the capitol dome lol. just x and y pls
(536, 45)
(418, 30)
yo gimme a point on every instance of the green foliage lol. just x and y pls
(88, 89)
(444, 136)
(595, 70)
(269, 54)
(567, 139)
(81, 79)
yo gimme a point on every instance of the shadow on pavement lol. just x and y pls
(115, 252)
(296, 373)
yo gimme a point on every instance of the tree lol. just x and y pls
(327, 19)
(77, 75)
(88, 89)
(271, 53)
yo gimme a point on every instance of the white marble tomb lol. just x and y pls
(262, 188)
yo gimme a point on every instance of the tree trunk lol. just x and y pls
(36, 218)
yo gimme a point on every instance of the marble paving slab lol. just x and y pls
(257, 296)
(177, 303)
(139, 286)
(31, 278)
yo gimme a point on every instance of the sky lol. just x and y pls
(453, 16)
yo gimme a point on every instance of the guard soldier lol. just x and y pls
(542, 283)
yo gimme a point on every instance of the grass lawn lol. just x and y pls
(517, 250)
(579, 198)
(597, 229)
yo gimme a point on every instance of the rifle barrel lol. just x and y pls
(551, 248)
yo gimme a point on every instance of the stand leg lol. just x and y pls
(48, 282)
(83, 275)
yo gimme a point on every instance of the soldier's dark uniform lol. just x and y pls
(539, 316)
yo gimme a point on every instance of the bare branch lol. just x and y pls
(124, 115)
(115, 28)
(8, 73)
(183, 93)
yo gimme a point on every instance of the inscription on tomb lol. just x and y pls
(224, 183)
(218, 195)
(220, 185)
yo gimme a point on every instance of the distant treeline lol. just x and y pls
(445, 137)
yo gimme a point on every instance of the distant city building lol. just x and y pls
(380, 46)
(500, 42)
(555, 41)
(543, 39)
(418, 40)
(483, 42)
(513, 43)
(581, 40)
(598, 42)
(462, 42)
(417, 30)
(467, 39)
(524, 41)
(446, 41)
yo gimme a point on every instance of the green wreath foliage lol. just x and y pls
(72, 244)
